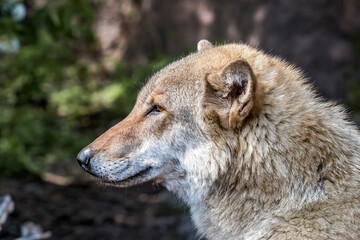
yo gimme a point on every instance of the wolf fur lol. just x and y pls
(244, 140)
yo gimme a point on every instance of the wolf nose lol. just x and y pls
(84, 157)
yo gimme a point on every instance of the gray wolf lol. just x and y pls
(243, 139)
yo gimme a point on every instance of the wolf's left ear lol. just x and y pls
(203, 45)
(234, 88)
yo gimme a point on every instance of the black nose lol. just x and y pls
(84, 157)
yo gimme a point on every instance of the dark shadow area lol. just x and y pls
(93, 211)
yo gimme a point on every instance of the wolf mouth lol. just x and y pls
(133, 177)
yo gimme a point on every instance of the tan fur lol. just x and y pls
(269, 159)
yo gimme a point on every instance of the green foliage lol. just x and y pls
(52, 95)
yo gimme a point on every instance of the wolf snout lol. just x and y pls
(84, 158)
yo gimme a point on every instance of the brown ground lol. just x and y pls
(87, 210)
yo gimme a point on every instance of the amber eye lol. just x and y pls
(159, 108)
(155, 109)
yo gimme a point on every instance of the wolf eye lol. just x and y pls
(155, 109)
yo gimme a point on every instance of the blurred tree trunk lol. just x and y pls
(115, 26)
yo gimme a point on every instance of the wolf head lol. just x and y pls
(226, 116)
(186, 117)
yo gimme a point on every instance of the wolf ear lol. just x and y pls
(231, 92)
(203, 45)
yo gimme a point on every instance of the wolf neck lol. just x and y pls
(282, 166)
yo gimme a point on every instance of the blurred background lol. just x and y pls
(70, 69)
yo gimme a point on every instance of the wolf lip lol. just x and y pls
(139, 174)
